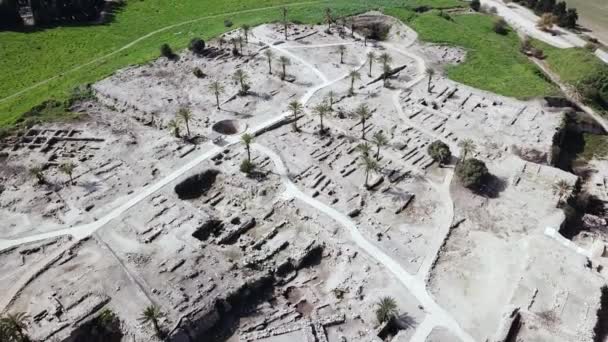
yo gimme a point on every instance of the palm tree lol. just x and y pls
(284, 10)
(68, 169)
(14, 326)
(269, 55)
(321, 110)
(380, 140)
(241, 77)
(151, 315)
(386, 309)
(354, 75)
(341, 50)
(234, 43)
(296, 108)
(370, 58)
(185, 115)
(217, 89)
(240, 41)
(174, 126)
(429, 72)
(561, 189)
(386, 60)
(246, 29)
(328, 18)
(369, 165)
(363, 113)
(467, 146)
(285, 61)
(331, 97)
(364, 148)
(247, 140)
(38, 173)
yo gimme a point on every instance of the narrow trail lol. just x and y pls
(146, 36)
(436, 316)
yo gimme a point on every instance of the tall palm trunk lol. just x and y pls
(284, 71)
(269, 66)
(187, 127)
(321, 118)
(217, 100)
(370, 67)
(363, 129)
(378, 153)
(366, 178)
(428, 87)
(248, 154)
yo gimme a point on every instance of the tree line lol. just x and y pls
(48, 11)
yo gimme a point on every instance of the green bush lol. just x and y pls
(472, 172)
(475, 5)
(198, 73)
(166, 51)
(197, 46)
(228, 23)
(440, 152)
(500, 26)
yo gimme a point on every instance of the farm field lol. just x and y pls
(493, 61)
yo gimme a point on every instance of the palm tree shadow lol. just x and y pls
(397, 323)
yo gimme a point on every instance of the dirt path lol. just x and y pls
(144, 37)
(436, 316)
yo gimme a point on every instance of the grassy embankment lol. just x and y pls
(493, 61)
(29, 58)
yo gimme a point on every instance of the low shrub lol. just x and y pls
(475, 5)
(247, 167)
(440, 152)
(501, 26)
(197, 46)
(166, 51)
(228, 23)
(198, 73)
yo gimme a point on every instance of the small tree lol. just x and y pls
(185, 115)
(68, 169)
(439, 152)
(197, 46)
(342, 51)
(369, 165)
(380, 140)
(14, 327)
(151, 315)
(246, 167)
(217, 89)
(166, 51)
(562, 189)
(247, 140)
(296, 109)
(386, 309)
(235, 46)
(546, 21)
(241, 78)
(38, 173)
(174, 127)
(269, 55)
(240, 41)
(371, 56)
(285, 24)
(472, 172)
(429, 73)
(321, 110)
(221, 41)
(328, 18)
(354, 75)
(363, 113)
(285, 61)
(467, 146)
(246, 29)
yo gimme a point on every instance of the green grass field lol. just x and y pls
(493, 61)
(572, 65)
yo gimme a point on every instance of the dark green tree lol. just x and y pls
(472, 172)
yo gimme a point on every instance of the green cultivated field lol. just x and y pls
(493, 61)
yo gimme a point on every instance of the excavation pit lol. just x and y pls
(227, 127)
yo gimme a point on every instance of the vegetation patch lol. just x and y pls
(596, 147)
(493, 60)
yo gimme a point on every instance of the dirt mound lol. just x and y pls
(197, 185)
